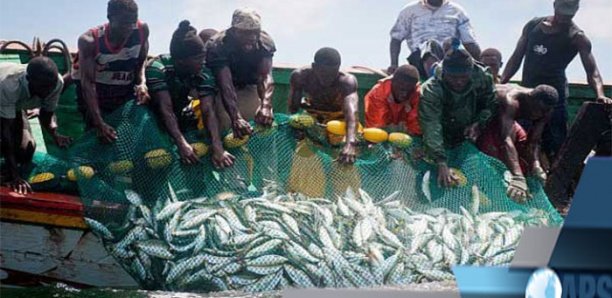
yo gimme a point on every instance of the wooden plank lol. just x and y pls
(42, 218)
(76, 257)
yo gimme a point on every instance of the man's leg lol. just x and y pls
(555, 133)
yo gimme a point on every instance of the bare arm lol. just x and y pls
(514, 63)
(295, 92)
(534, 138)
(142, 95)
(350, 107)
(87, 66)
(7, 146)
(265, 89)
(164, 106)
(221, 158)
(395, 47)
(590, 66)
(230, 101)
(511, 158)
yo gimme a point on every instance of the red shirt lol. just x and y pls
(382, 111)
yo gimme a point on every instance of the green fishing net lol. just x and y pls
(287, 214)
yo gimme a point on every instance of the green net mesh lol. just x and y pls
(287, 214)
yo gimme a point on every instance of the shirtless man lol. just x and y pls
(506, 140)
(329, 94)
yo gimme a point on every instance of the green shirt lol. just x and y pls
(161, 75)
(444, 115)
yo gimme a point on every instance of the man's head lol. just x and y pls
(207, 34)
(457, 67)
(187, 49)
(122, 16)
(42, 76)
(403, 83)
(493, 59)
(246, 27)
(435, 3)
(544, 98)
(326, 65)
(565, 10)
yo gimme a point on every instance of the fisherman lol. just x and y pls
(507, 141)
(109, 69)
(393, 102)
(241, 60)
(425, 20)
(492, 58)
(548, 45)
(32, 86)
(207, 34)
(329, 94)
(171, 79)
(455, 104)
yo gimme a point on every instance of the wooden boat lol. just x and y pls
(43, 237)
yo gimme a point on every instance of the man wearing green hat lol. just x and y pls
(455, 104)
(171, 79)
(241, 60)
(548, 45)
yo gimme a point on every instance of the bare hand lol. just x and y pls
(61, 140)
(348, 154)
(241, 128)
(142, 94)
(391, 69)
(106, 133)
(264, 116)
(223, 159)
(298, 134)
(20, 186)
(33, 113)
(539, 173)
(606, 101)
(188, 155)
(472, 132)
(446, 178)
(517, 189)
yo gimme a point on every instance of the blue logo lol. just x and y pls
(544, 283)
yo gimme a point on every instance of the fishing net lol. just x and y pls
(287, 214)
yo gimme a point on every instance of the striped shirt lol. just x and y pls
(117, 68)
(418, 22)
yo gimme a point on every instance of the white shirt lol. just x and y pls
(15, 92)
(419, 22)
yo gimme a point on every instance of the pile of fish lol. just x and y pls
(283, 240)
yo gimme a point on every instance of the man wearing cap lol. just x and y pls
(171, 79)
(22, 87)
(327, 93)
(425, 20)
(455, 104)
(241, 60)
(393, 102)
(109, 68)
(548, 45)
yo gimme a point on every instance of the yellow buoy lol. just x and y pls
(158, 159)
(200, 149)
(301, 121)
(400, 140)
(83, 172)
(42, 177)
(336, 127)
(375, 135)
(230, 142)
(120, 167)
